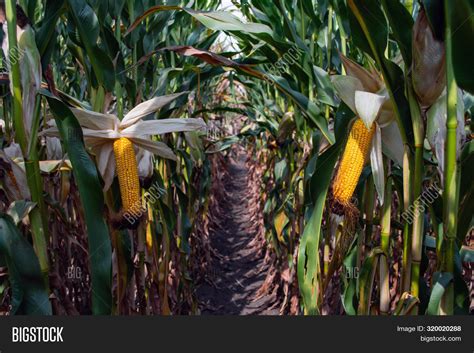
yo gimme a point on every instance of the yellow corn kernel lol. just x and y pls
(353, 160)
(127, 171)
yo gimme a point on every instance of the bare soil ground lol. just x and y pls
(238, 269)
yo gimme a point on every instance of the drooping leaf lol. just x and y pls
(401, 24)
(29, 293)
(309, 108)
(366, 281)
(308, 267)
(441, 281)
(87, 178)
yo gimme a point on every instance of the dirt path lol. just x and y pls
(238, 268)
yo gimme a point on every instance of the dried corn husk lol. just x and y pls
(429, 62)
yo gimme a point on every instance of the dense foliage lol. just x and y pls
(357, 116)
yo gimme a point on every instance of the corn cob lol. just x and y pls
(353, 160)
(127, 172)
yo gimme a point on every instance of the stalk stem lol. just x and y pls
(38, 217)
(385, 245)
(451, 184)
(419, 208)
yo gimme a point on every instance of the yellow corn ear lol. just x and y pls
(353, 160)
(127, 171)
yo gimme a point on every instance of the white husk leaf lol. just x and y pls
(106, 163)
(346, 86)
(163, 126)
(96, 121)
(386, 114)
(436, 128)
(145, 163)
(101, 130)
(368, 106)
(393, 143)
(155, 147)
(376, 160)
(148, 107)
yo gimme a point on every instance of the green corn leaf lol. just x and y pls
(88, 28)
(29, 294)
(462, 19)
(87, 178)
(366, 281)
(401, 23)
(441, 281)
(349, 297)
(45, 33)
(308, 267)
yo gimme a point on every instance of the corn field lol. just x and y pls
(254, 157)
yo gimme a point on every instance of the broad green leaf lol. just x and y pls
(215, 20)
(45, 32)
(29, 293)
(349, 297)
(308, 267)
(281, 170)
(87, 24)
(441, 281)
(87, 178)
(366, 281)
(326, 92)
(225, 21)
(406, 304)
(401, 24)
(462, 20)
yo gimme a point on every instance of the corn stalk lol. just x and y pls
(451, 180)
(30, 153)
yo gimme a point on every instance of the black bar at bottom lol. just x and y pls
(246, 334)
